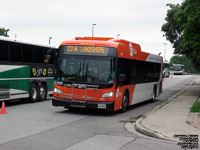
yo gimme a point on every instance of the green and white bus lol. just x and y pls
(24, 73)
(166, 70)
(179, 69)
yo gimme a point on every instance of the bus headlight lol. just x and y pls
(57, 91)
(109, 94)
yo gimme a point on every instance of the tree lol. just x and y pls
(188, 65)
(3, 32)
(182, 29)
(172, 30)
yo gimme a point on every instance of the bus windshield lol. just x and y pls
(178, 68)
(166, 65)
(86, 69)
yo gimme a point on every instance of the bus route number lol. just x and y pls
(86, 49)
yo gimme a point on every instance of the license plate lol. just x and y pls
(101, 106)
(78, 104)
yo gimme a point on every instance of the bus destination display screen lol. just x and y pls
(88, 50)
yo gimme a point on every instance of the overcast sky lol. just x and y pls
(138, 21)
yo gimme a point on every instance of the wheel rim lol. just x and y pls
(34, 93)
(42, 92)
(153, 97)
(125, 102)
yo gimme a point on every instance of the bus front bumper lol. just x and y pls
(108, 106)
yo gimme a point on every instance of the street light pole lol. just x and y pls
(93, 29)
(50, 40)
(164, 51)
(118, 36)
(7, 32)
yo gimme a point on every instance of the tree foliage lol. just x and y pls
(182, 29)
(188, 65)
(3, 32)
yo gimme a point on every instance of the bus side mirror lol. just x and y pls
(47, 58)
(122, 78)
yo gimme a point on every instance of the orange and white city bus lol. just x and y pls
(105, 73)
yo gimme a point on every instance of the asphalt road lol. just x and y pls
(40, 126)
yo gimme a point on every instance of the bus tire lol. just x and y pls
(34, 93)
(43, 92)
(125, 102)
(154, 95)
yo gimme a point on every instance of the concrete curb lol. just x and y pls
(148, 132)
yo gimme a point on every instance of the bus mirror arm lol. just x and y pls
(121, 78)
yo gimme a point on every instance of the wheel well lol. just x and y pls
(44, 83)
(38, 83)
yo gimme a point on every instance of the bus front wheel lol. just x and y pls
(34, 93)
(124, 103)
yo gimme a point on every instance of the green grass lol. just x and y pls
(196, 106)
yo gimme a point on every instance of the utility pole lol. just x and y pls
(165, 51)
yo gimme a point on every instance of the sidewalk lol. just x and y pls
(173, 118)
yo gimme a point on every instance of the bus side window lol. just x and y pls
(39, 55)
(138, 71)
(132, 72)
(120, 69)
(150, 72)
(4, 52)
(28, 54)
(15, 53)
(157, 71)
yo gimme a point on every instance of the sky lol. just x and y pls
(138, 21)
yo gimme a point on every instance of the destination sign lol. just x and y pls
(88, 50)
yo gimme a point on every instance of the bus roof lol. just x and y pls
(178, 65)
(100, 41)
(125, 49)
(23, 42)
